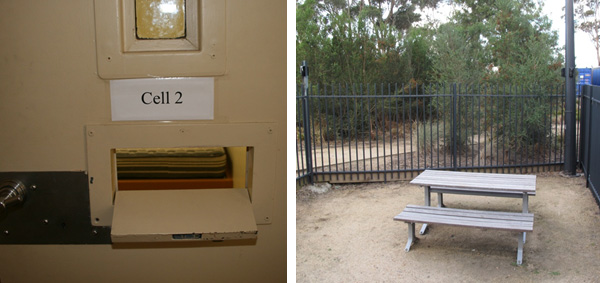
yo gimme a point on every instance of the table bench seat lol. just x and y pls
(520, 222)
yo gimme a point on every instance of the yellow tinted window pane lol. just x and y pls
(160, 19)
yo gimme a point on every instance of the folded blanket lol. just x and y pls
(171, 163)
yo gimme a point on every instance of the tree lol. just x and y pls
(310, 38)
(588, 13)
(523, 45)
(456, 59)
(514, 38)
(359, 41)
(510, 35)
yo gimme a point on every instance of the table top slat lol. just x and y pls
(472, 180)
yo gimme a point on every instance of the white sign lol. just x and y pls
(162, 99)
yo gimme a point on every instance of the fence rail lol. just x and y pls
(381, 132)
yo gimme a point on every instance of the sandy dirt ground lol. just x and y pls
(346, 234)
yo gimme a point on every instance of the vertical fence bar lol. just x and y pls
(397, 130)
(547, 99)
(437, 118)
(503, 125)
(327, 127)
(370, 130)
(445, 148)
(485, 125)
(431, 126)
(465, 100)
(318, 115)
(383, 135)
(431, 120)
(358, 121)
(417, 120)
(474, 131)
(404, 128)
(509, 126)
(334, 131)
(459, 99)
(531, 147)
(557, 108)
(578, 129)
(539, 156)
(343, 128)
(299, 139)
(312, 139)
(411, 127)
(522, 110)
(348, 130)
(495, 125)
(391, 119)
(376, 129)
(306, 124)
(479, 126)
(454, 114)
(362, 123)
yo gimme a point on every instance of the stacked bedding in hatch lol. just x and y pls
(171, 163)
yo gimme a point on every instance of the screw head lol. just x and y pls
(46, 221)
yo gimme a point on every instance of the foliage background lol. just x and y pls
(507, 43)
(387, 41)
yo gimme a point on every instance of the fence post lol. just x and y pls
(570, 123)
(306, 122)
(454, 109)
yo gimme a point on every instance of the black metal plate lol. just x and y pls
(56, 212)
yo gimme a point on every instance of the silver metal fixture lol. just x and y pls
(12, 193)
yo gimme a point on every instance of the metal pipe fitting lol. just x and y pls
(12, 193)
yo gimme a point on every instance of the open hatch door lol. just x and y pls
(183, 215)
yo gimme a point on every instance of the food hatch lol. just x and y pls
(154, 183)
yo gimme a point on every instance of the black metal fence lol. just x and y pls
(382, 132)
(589, 155)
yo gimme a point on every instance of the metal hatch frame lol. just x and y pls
(102, 138)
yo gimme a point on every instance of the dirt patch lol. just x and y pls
(347, 234)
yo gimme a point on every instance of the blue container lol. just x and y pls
(584, 78)
(596, 76)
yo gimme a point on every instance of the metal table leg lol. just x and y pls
(411, 236)
(427, 203)
(525, 210)
(520, 249)
(440, 200)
